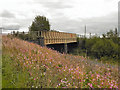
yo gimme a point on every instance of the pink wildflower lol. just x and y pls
(90, 85)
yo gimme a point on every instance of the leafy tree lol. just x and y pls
(103, 35)
(112, 34)
(40, 23)
(116, 32)
(89, 43)
(105, 47)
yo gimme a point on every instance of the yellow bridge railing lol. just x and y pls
(53, 37)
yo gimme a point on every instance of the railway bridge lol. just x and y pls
(52, 38)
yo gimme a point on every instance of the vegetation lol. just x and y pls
(106, 48)
(28, 65)
(0, 71)
(40, 23)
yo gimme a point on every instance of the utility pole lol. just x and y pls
(85, 42)
(85, 31)
(90, 35)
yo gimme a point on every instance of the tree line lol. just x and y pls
(107, 47)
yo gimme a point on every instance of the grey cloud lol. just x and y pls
(56, 5)
(59, 4)
(11, 27)
(98, 25)
(7, 14)
(102, 24)
(62, 23)
(16, 23)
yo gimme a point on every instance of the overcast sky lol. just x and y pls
(64, 15)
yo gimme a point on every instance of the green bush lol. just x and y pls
(105, 47)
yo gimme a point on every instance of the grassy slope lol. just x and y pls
(29, 65)
(0, 61)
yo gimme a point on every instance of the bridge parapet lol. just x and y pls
(52, 37)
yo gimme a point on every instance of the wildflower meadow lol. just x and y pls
(28, 65)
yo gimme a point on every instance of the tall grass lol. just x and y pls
(28, 65)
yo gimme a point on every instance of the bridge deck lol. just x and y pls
(53, 37)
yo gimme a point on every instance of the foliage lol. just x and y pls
(40, 23)
(107, 47)
(104, 47)
(12, 76)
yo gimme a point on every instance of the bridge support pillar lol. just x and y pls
(65, 48)
(41, 41)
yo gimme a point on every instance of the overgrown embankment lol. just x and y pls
(30, 65)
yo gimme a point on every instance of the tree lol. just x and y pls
(105, 47)
(40, 23)
(110, 34)
(103, 35)
(89, 43)
(116, 33)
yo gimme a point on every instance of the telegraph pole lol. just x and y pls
(85, 41)
(90, 35)
(85, 31)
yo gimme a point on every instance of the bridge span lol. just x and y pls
(54, 37)
(51, 38)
